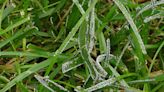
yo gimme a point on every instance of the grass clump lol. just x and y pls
(81, 45)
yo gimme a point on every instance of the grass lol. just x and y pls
(81, 45)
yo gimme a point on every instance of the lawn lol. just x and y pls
(81, 45)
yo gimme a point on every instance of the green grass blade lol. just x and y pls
(1, 12)
(136, 39)
(9, 28)
(84, 51)
(40, 5)
(115, 73)
(133, 26)
(17, 53)
(4, 79)
(7, 11)
(157, 52)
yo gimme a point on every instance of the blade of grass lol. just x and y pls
(69, 65)
(101, 85)
(52, 10)
(4, 79)
(123, 51)
(79, 6)
(100, 35)
(137, 42)
(91, 30)
(149, 6)
(38, 50)
(101, 70)
(55, 71)
(17, 53)
(1, 12)
(18, 23)
(84, 51)
(7, 11)
(133, 26)
(156, 16)
(40, 5)
(43, 82)
(156, 54)
(115, 73)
